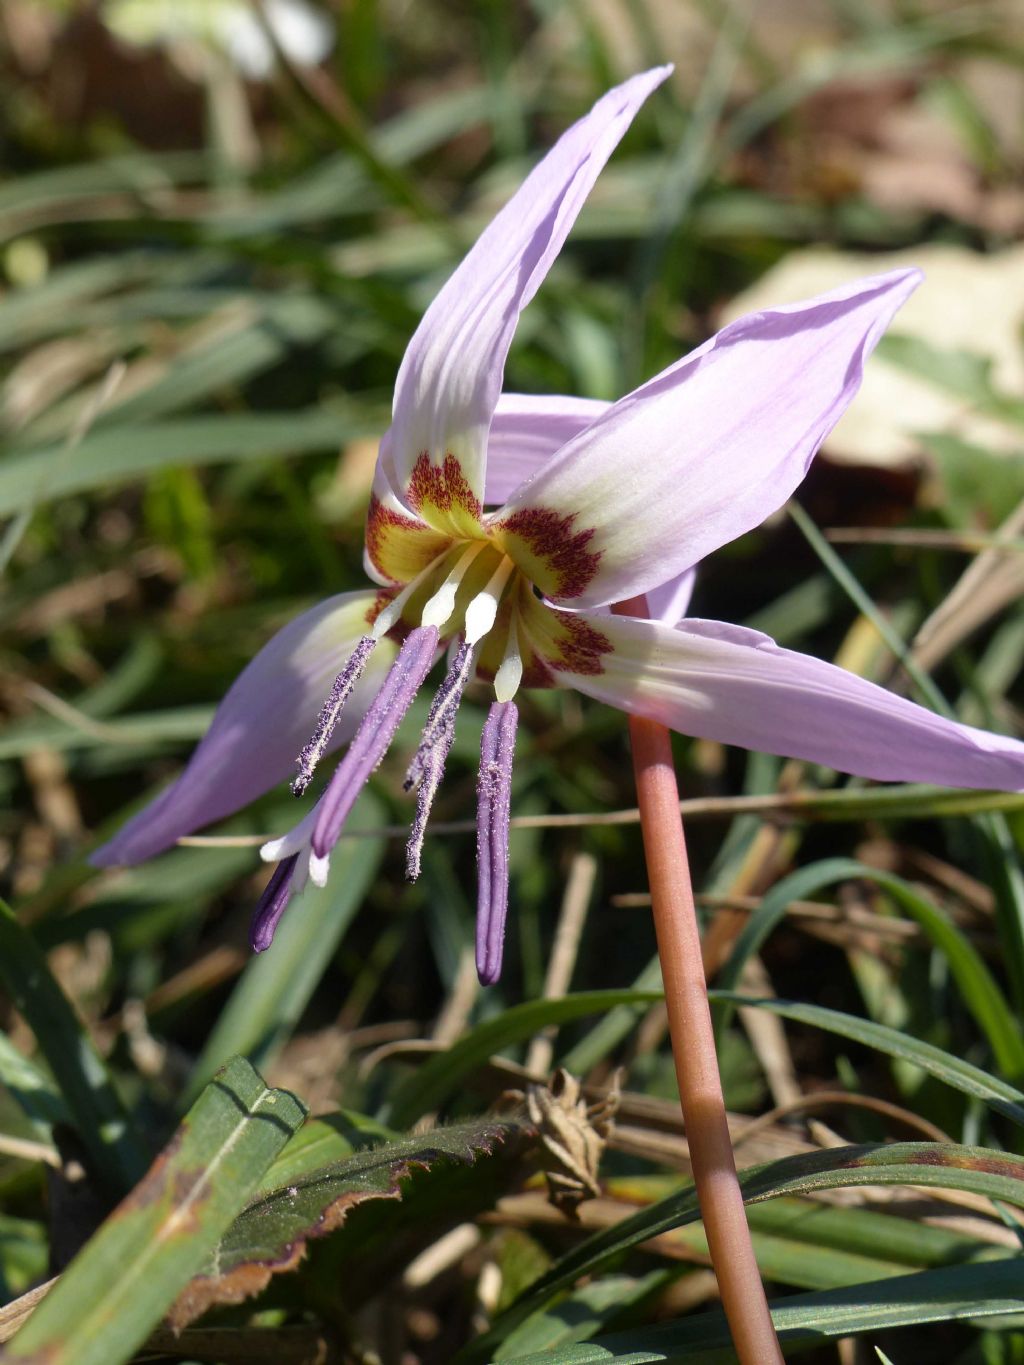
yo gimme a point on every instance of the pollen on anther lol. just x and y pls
(344, 684)
(494, 795)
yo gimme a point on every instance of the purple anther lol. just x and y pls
(344, 683)
(272, 905)
(494, 797)
(430, 770)
(374, 735)
(441, 716)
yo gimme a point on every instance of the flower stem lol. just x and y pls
(693, 1042)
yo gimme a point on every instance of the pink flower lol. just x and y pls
(595, 504)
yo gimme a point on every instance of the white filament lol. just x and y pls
(274, 850)
(482, 611)
(300, 876)
(319, 868)
(388, 615)
(439, 607)
(510, 671)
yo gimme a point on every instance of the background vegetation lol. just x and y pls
(212, 256)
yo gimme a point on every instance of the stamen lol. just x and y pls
(427, 767)
(482, 611)
(388, 615)
(428, 779)
(272, 905)
(494, 795)
(297, 838)
(439, 608)
(371, 741)
(344, 684)
(510, 670)
(442, 711)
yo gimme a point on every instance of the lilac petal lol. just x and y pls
(272, 906)
(383, 717)
(726, 683)
(701, 453)
(267, 715)
(669, 601)
(494, 799)
(527, 431)
(451, 374)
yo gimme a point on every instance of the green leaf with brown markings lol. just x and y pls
(125, 1278)
(333, 1166)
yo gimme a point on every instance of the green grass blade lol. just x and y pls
(905, 801)
(85, 1084)
(131, 1271)
(580, 1315)
(1007, 875)
(944, 1066)
(111, 456)
(953, 1294)
(39, 1099)
(442, 1076)
(275, 987)
(617, 1024)
(943, 1165)
(978, 987)
(866, 606)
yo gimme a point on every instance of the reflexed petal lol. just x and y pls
(451, 374)
(397, 544)
(526, 431)
(260, 726)
(669, 601)
(737, 686)
(701, 453)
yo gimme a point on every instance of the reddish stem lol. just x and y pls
(693, 1042)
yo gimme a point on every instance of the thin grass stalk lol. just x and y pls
(693, 1042)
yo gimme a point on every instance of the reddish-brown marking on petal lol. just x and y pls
(536, 673)
(380, 600)
(401, 629)
(557, 558)
(580, 646)
(441, 488)
(558, 641)
(399, 547)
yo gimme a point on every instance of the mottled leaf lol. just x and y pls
(128, 1274)
(329, 1169)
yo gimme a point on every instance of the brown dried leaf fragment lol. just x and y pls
(573, 1133)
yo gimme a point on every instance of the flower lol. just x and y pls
(594, 504)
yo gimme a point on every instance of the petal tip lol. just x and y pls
(905, 280)
(104, 856)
